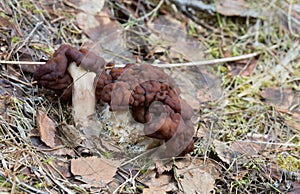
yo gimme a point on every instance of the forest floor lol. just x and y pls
(237, 64)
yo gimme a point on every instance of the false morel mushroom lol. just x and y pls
(147, 91)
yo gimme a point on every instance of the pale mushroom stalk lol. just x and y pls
(83, 99)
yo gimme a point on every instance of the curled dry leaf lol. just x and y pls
(196, 181)
(96, 172)
(46, 128)
(224, 152)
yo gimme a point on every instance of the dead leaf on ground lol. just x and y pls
(91, 7)
(60, 166)
(163, 181)
(71, 137)
(242, 67)
(285, 99)
(196, 181)
(197, 85)
(235, 8)
(169, 33)
(162, 167)
(282, 98)
(197, 176)
(194, 175)
(96, 172)
(46, 128)
(154, 190)
(208, 166)
(246, 148)
(224, 152)
(239, 152)
(294, 122)
(106, 35)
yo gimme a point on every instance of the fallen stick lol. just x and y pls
(196, 63)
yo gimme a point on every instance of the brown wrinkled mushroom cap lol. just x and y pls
(147, 91)
(142, 88)
(54, 75)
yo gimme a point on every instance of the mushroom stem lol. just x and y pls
(83, 98)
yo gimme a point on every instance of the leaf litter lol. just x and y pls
(97, 172)
(226, 114)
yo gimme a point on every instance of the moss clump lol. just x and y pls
(288, 162)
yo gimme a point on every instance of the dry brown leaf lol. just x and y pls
(224, 152)
(196, 181)
(197, 85)
(243, 67)
(171, 34)
(197, 176)
(285, 100)
(294, 122)
(246, 148)
(154, 190)
(282, 98)
(46, 128)
(190, 163)
(91, 7)
(162, 167)
(106, 35)
(94, 171)
(163, 181)
(234, 8)
(238, 151)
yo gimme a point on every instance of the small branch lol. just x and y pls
(22, 62)
(210, 62)
(205, 62)
(196, 63)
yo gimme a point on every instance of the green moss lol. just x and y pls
(288, 162)
(14, 39)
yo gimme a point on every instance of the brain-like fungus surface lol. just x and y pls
(147, 91)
